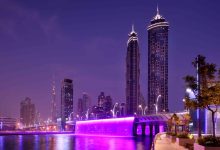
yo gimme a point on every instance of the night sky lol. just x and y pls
(86, 41)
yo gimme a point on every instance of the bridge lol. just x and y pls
(129, 126)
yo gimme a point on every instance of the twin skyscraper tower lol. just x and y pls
(157, 69)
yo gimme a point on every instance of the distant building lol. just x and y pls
(158, 64)
(108, 106)
(80, 107)
(97, 113)
(66, 101)
(132, 74)
(123, 109)
(84, 105)
(105, 104)
(7, 123)
(27, 113)
(101, 99)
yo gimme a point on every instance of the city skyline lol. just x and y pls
(39, 41)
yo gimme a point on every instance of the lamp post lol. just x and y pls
(191, 95)
(156, 104)
(87, 114)
(184, 102)
(69, 117)
(113, 111)
(77, 117)
(140, 106)
(145, 108)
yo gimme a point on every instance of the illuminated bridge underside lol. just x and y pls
(107, 127)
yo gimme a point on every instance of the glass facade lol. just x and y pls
(158, 64)
(132, 74)
(66, 101)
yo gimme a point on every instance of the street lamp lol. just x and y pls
(69, 117)
(87, 114)
(190, 93)
(113, 112)
(145, 108)
(140, 106)
(156, 105)
(77, 117)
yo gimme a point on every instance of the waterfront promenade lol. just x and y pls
(161, 142)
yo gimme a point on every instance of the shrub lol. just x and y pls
(183, 135)
(209, 141)
(171, 133)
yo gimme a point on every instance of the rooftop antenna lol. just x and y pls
(132, 28)
(157, 9)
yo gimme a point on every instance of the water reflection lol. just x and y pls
(104, 143)
(1, 142)
(70, 141)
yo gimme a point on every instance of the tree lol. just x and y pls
(187, 119)
(205, 87)
(211, 96)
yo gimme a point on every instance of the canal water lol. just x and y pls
(73, 142)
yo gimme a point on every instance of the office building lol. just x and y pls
(158, 64)
(132, 74)
(27, 113)
(66, 101)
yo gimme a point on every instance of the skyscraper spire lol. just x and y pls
(132, 28)
(157, 10)
(158, 16)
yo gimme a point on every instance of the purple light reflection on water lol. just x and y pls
(112, 143)
(104, 143)
(1, 142)
(20, 141)
(36, 137)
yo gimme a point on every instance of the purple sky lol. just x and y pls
(86, 41)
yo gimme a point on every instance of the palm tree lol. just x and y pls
(207, 94)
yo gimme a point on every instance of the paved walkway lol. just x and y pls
(161, 142)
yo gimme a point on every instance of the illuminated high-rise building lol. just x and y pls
(132, 74)
(158, 64)
(66, 101)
